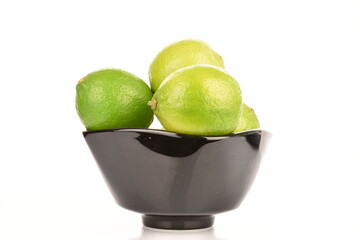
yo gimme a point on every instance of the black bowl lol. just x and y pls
(177, 181)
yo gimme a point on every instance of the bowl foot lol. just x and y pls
(178, 222)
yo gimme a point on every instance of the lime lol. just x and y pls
(198, 100)
(178, 55)
(113, 98)
(248, 119)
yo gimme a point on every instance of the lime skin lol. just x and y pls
(113, 98)
(198, 100)
(248, 119)
(179, 55)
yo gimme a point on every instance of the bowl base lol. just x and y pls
(178, 222)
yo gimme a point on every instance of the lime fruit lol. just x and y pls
(113, 98)
(179, 55)
(248, 119)
(198, 100)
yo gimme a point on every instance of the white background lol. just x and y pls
(297, 62)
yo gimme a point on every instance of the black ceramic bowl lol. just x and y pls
(177, 181)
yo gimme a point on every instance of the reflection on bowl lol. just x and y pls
(177, 181)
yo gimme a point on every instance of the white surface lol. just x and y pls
(297, 63)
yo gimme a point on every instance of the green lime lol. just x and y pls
(113, 98)
(178, 55)
(248, 119)
(198, 100)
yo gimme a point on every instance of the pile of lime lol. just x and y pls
(190, 93)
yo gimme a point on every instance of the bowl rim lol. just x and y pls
(174, 134)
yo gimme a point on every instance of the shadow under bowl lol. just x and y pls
(177, 181)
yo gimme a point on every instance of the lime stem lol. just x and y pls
(152, 104)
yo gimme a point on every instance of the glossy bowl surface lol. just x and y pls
(168, 176)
